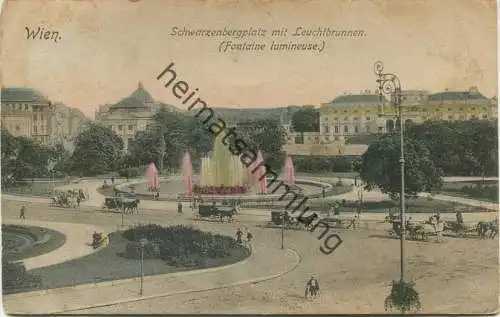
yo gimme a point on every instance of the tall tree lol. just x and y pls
(306, 120)
(380, 167)
(97, 150)
(266, 135)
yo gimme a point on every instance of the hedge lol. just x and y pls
(178, 245)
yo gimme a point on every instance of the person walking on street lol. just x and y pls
(22, 213)
(238, 236)
(249, 239)
(78, 199)
(313, 287)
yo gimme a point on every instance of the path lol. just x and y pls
(259, 267)
(77, 237)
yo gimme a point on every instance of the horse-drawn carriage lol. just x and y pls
(121, 204)
(214, 211)
(280, 218)
(64, 201)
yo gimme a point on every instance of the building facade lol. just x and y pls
(130, 115)
(26, 112)
(67, 124)
(366, 113)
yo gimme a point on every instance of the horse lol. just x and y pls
(131, 207)
(483, 227)
(431, 227)
(225, 213)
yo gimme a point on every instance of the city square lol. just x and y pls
(183, 172)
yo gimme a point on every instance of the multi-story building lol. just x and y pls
(67, 124)
(131, 114)
(26, 112)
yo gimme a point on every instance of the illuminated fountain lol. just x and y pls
(289, 170)
(222, 173)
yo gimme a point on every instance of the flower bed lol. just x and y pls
(179, 246)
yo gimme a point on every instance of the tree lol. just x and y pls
(97, 150)
(167, 138)
(267, 136)
(305, 120)
(380, 168)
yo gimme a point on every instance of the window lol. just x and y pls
(327, 130)
(327, 138)
(26, 107)
(450, 117)
(355, 118)
(485, 116)
(346, 118)
(336, 129)
(129, 141)
(336, 118)
(368, 118)
(380, 129)
(336, 138)
(35, 117)
(120, 127)
(346, 129)
(18, 128)
(345, 111)
(130, 127)
(34, 129)
(449, 109)
(356, 129)
(367, 128)
(41, 117)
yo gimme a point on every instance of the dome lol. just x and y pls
(140, 98)
(21, 94)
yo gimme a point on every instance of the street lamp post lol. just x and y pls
(142, 244)
(389, 85)
(282, 228)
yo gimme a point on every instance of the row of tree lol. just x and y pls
(23, 158)
(98, 149)
(432, 150)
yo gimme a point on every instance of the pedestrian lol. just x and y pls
(238, 236)
(249, 237)
(22, 213)
(112, 179)
(179, 207)
(313, 287)
(78, 199)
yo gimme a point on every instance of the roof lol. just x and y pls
(138, 99)
(22, 94)
(456, 95)
(358, 99)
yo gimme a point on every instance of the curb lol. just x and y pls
(127, 280)
(136, 299)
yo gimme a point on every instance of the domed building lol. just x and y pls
(131, 114)
(26, 112)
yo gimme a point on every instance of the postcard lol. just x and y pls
(249, 157)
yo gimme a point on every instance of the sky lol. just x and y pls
(106, 47)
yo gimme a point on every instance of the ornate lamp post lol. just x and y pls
(142, 244)
(390, 86)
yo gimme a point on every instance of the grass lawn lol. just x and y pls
(48, 240)
(418, 205)
(39, 188)
(457, 189)
(109, 264)
(330, 174)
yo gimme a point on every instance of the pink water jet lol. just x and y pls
(289, 170)
(258, 172)
(187, 174)
(152, 175)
